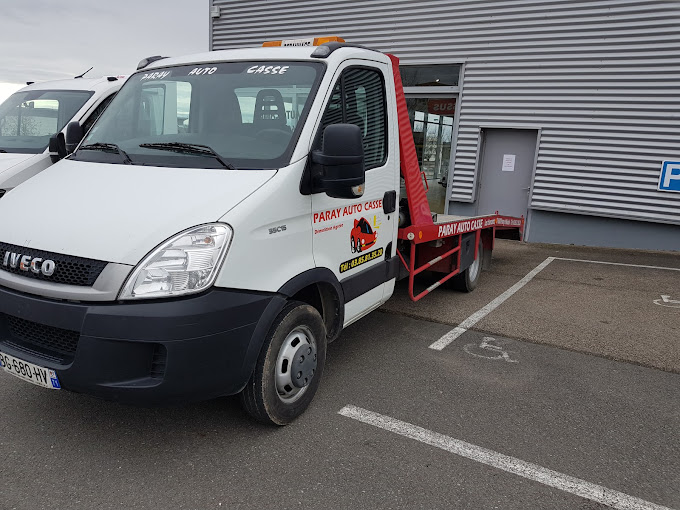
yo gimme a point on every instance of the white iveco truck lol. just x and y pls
(225, 217)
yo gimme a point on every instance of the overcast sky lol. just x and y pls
(47, 40)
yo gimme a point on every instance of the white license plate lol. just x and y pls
(29, 372)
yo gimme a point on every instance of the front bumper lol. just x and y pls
(146, 353)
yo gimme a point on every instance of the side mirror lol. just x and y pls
(338, 168)
(57, 147)
(74, 134)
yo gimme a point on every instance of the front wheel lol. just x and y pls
(468, 280)
(289, 369)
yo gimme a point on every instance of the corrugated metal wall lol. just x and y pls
(600, 77)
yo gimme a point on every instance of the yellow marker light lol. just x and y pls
(317, 41)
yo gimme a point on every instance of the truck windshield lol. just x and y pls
(28, 119)
(218, 115)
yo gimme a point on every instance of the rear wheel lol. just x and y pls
(289, 369)
(468, 280)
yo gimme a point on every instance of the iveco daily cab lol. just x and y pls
(222, 221)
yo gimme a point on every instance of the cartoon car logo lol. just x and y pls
(362, 236)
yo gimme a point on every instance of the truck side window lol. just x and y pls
(359, 98)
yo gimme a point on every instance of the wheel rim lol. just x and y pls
(474, 268)
(285, 388)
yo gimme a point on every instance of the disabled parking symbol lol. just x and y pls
(667, 301)
(490, 348)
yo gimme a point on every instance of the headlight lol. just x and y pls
(185, 264)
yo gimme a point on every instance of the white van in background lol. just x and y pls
(34, 114)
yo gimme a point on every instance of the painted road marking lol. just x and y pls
(493, 349)
(483, 312)
(618, 264)
(545, 476)
(667, 301)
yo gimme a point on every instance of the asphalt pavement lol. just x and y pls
(609, 424)
(587, 303)
(613, 424)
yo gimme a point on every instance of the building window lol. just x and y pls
(432, 125)
(435, 75)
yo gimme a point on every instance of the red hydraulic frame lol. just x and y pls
(422, 228)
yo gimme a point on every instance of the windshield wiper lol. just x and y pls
(3, 150)
(189, 148)
(107, 147)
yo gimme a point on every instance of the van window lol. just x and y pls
(249, 113)
(362, 104)
(28, 119)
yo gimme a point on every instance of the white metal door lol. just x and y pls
(353, 235)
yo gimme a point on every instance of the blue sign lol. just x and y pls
(670, 176)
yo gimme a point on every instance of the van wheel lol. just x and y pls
(468, 280)
(289, 369)
(353, 246)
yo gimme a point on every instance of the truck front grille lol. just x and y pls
(33, 335)
(68, 270)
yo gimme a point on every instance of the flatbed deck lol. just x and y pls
(440, 219)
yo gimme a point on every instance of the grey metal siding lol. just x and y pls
(600, 77)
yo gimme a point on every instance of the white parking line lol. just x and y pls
(618, 264)
(480, 314)
(518, 467)
(483, 312)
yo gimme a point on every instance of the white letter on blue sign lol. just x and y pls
(670, 176)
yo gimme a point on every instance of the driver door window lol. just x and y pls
(359, 98)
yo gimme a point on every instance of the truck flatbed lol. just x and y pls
(446, 244)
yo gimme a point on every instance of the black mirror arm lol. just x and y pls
(320, 158)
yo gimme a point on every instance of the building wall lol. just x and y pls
(600, 77)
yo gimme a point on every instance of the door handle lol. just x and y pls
(390, 202)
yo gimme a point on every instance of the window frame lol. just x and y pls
(341, 79)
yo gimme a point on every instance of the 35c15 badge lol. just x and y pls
(361, 259)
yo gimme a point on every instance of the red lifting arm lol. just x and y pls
(418, 206)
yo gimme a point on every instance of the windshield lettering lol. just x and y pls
(202, 70)
(267, 69)
(155, 76)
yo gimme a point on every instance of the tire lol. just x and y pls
(358, 245)
(353, 246)
(468, 280)
(270, 396)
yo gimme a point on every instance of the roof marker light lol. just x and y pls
(148, 60)
(302, 43)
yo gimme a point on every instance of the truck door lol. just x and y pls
(355, 237)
